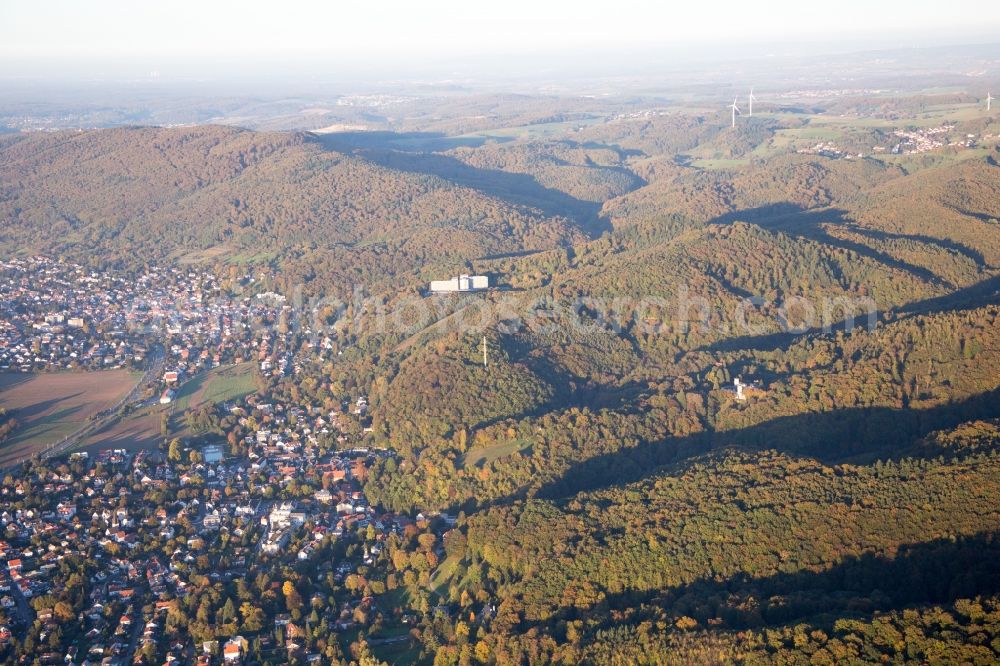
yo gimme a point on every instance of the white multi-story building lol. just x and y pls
(461, 283)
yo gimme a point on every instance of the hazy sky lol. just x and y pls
(170, 36)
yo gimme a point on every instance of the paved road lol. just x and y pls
(24, 612)
(137, 626)
(263, 508)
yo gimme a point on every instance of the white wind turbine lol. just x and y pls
(750, 100)
(735, 109)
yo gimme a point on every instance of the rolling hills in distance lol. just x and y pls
(615, 503)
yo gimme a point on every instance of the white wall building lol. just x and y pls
(461, 283)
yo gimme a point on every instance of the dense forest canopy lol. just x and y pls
(214, 192)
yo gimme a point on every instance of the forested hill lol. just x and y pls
(754, 558)
(613, 216)
(207, 193)
(332, 212)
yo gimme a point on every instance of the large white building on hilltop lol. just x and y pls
(461, 283)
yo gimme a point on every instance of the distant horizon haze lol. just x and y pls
(115, 40)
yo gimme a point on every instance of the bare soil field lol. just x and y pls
(50, 406)
(139, 430)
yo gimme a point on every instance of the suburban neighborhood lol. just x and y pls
(242, 535)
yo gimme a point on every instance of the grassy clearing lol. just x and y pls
(223, 384)
(809, 134)
(487, 454)
(227, 384)
(202, 256)
(720, 163)
(401, 653)
(443, 574)
(244, 259)
(398, 598)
